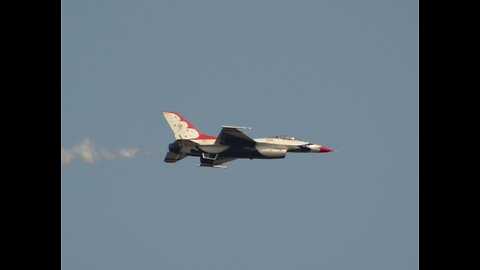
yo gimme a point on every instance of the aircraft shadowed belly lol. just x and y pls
(242, 152)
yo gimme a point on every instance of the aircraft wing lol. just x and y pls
(172, 157)
(232, 136)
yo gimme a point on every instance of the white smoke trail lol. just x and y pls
(90, 154)
(128, 153)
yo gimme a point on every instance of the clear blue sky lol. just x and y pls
(340, 73)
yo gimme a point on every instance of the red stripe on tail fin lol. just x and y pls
(183, 129)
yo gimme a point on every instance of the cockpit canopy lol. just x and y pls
(284, 137)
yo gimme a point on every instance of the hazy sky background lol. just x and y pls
(340, 73)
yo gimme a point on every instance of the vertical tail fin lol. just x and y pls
(182, 129)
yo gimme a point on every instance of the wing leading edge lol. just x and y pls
(232, 136)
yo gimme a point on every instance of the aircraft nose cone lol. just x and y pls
(324, 149)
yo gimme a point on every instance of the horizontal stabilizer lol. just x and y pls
(173, 157)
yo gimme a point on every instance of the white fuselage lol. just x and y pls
(266, 146)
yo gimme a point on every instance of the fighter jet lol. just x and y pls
(229, 145)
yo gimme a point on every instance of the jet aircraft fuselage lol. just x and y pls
(230, 144)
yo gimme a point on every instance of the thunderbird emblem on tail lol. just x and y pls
(230, 144)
